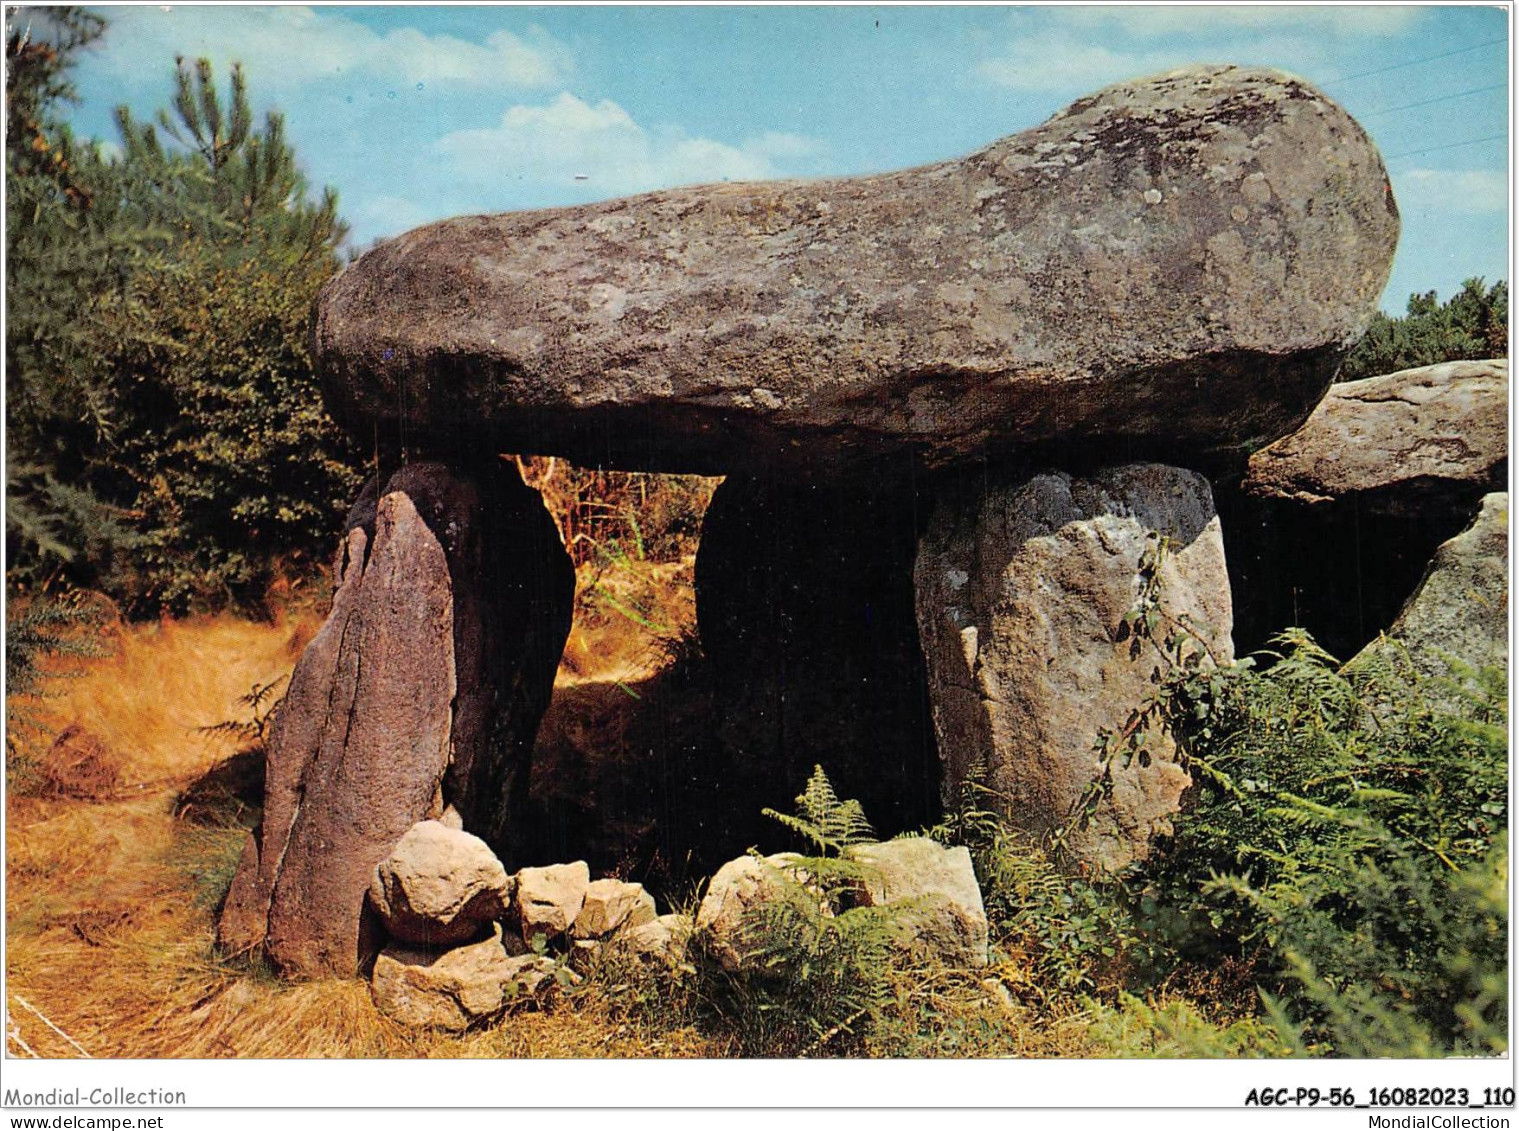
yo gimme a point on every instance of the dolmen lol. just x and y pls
(966, 413)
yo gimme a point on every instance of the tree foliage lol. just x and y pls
(167, 440)
(1473, 324)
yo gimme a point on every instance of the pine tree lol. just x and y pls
(239, 465)
(161, 397)
(1472, 325)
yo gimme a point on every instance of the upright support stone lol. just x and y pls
(423, 688)
(1022, 590)
(514, 592)
(1458, 617)
(805, 606)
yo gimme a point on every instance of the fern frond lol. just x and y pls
(822, 818)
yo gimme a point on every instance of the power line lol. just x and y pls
(1452, 145)
(1432, 101)
(1413, 62)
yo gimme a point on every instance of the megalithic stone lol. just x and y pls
(423, 688)
(1176, 263)
(1023, 586)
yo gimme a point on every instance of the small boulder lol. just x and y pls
(454, 989)
(439, 885)
(549, 899)
(662, 940)
(738, 886)
(612, 905)
(946, 920)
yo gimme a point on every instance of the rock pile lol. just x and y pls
(466, 939)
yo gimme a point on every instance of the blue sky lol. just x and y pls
(417, 112)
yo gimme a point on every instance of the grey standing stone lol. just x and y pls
(1460, 610)
(1023, 587)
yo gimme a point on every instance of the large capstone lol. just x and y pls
(422, 689)
(1174, 265)
(1025, 590)
(1332, 527)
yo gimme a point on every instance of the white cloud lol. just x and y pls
(286, 46)
(1466, 191)
(388, 215)
(783, 146)
(1069, 48)
(1058, 60)
(1203, 19)
(600, 147)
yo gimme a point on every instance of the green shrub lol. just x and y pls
(816, 966)
(1067, 935)
(1133, 1027)
(1345, 827)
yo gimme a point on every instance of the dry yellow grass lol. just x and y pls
(109, 904)
(164, 680)
(625, 617)
(108, 915)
